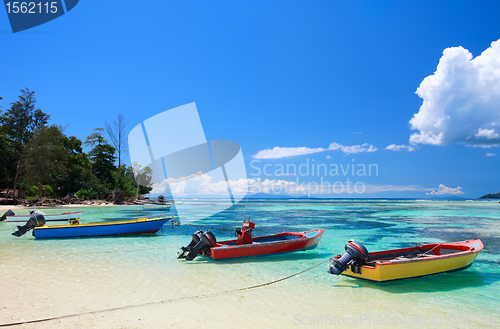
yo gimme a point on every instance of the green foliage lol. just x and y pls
(32, 191)
(78, 167)
(143, 178)
(102, 157)
(93, 188)
(47, 190)
(22, 119)
(7, 160)
(45, 162)
(39, 190)
(86, 194)
(18, 124)
(128, 183)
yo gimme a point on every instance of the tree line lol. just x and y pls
(41, 160)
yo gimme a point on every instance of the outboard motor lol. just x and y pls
(7, 213)
(201, 243)
(244, 233)
(36, 220)
(185, 250)
(356, 255)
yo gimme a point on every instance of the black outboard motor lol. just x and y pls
(185, 250)
(36, 220)
(201, 243)
(356, 255)
(7, 213)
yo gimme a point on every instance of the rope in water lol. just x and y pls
(163, 301)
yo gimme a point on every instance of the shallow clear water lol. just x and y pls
(47, 278)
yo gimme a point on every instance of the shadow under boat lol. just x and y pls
(450, 281)
(284, 257)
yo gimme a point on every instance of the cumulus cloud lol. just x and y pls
(396, 188)
(491, 154)
(352, 149)
(273, 186)
(487, 133)
(394, 147)
(442, 190)
(287, 152)
(204, 185)
(461, 100)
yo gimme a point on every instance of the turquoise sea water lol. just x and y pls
(50, 278)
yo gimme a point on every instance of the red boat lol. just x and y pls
(205, 243)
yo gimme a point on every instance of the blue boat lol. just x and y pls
(134, 226)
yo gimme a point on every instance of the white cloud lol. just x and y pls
(491, 154)
(286, 152)
(206, 186)
(328, 157)
(394, 147)
(487, 133)
(461, 100)
(446, 190)
(397, 188)
(352, 149)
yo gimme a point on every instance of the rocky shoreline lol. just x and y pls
(72, 200)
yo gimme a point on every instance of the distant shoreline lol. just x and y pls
(4, 208)
(71, 203)
(491, 196)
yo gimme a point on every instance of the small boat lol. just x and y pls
(388, 265)
(205, 244)
(66, 216)
(75, 229)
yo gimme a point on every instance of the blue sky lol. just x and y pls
(286, 74)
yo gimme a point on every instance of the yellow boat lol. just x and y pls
(405, 263)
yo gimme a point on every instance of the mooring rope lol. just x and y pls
(163, 301)
(425, 253)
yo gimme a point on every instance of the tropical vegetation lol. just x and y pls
(42, 160)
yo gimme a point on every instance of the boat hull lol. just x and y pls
(48, 218)
(458, 256)
(138, 226)
(268, 245)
